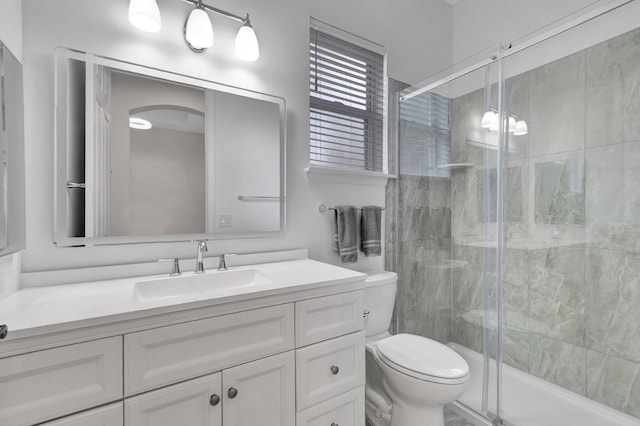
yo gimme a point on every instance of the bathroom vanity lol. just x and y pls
(271, 344)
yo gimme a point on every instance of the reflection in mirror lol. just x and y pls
(145, 155)
(12, 214)
(559, 192)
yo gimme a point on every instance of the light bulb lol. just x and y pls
(521, 128)
(198, 31)
(247, 47)
(489, 120)
(145, 15)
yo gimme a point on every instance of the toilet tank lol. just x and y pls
(379, 298)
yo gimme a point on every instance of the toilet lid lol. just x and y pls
(423, 356)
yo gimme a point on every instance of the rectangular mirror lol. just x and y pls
(12, 213)
(144, 155)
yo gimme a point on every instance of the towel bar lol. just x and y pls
(322, 208)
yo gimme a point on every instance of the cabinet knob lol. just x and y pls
(334, 424)
(4, 330)
(214, 400)
(335, 369)
(233, 392)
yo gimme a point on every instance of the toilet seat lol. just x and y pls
(423, 359)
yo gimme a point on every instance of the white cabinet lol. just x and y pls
(344, 410)
(330, 360)
(196, 402)
(110, 415)
(298, 363)
(39, 386)
(170, 354)
(260, 392)
(329, 368)
(326, 317)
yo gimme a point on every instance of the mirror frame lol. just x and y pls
(60, 238)
(14, 119)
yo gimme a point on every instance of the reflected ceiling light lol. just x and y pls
(139, 123)
(145, 15)
(198, 31)
(489, 119)
(515, 126)
(521, 128)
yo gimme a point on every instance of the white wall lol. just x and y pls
(418, 40)
(479, 25)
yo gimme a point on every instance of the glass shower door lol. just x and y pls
(450, 221)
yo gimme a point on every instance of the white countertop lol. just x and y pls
(37, 311)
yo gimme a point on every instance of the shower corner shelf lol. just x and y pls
(456, 166)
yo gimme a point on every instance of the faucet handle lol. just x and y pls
(175, 269)
(222, 265)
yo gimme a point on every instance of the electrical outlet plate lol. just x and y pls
(225, 220)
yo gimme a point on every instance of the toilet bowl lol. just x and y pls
(409, 378)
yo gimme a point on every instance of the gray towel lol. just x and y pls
(370, 230)
(345, 237)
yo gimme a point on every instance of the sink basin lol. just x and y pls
(202, 286)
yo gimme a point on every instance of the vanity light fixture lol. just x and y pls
(515, 126)
(198, 31)
(139, 123)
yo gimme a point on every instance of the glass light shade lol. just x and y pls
(521, 128)
(489, 120)
(199, 32)
(145, 15)
(512, 124)
(247, 47)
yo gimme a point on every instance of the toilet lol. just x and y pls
(409, 378)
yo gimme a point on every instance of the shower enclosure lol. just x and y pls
(516, 225)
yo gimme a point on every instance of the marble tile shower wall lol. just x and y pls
(572, 260)
(423, 244)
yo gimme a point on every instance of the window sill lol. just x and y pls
(354, 177)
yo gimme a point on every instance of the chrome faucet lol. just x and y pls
(222, 265)
(202, 247)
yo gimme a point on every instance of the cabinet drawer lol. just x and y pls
(327, 369)
(188, 403)
(323, 318)
(111, 415)
(38, 386)
(171, 354)
(344, 410)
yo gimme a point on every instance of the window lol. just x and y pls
(346, 88)
(425, 135)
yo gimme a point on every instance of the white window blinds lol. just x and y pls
(425, 135)
(346, 87)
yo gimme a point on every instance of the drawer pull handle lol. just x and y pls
(214, 400)
(233, 392)
(4, 330)
(335, 369)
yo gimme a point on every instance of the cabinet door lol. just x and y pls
(44, 385)
(111, 415)
(196, 402)
(261, 392)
